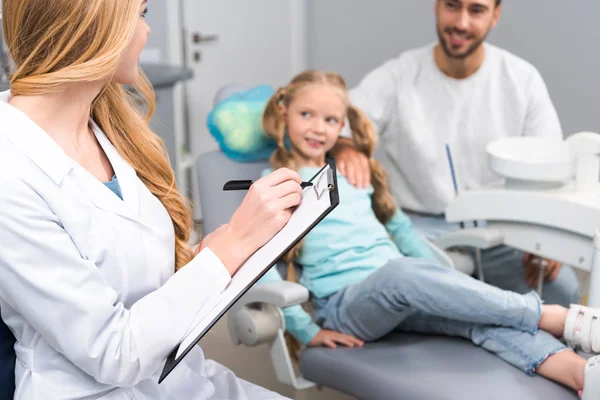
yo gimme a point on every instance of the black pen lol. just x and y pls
(245, 185)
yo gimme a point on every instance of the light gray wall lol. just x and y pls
(560, 38)
(352, 37)
(157, 19)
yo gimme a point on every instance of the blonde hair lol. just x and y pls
(75, 41)
(363, 134)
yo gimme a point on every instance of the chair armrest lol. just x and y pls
(452, 259)
(440, 255)
(479, 238)
(280, 294)
(256, 317)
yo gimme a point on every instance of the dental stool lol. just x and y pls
(400, 366)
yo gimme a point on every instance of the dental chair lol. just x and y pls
(7, 363)
(400, 366)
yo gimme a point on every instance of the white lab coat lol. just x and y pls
(87, 283)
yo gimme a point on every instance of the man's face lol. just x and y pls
(463, 25)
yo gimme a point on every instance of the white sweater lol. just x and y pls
(418, 110)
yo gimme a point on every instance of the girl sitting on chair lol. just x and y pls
(370, 273)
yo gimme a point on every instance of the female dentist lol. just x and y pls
(92, 226)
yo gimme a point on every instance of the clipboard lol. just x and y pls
(317, 202)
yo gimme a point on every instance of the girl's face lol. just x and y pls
(127, 71)
(314, 120)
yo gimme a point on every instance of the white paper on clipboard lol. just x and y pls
(315, 202)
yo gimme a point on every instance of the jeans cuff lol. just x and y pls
(532, 313)
(532, 368)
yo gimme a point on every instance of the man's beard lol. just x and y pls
(472, 49)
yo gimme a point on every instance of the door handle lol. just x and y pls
(198, 38)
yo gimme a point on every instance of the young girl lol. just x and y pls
(370, 273)
(92, 226)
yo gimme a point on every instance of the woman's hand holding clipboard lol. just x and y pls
(265, 210)
(290, 218)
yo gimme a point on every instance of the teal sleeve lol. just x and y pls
(407, 239)
(297, 321)
(266, 172)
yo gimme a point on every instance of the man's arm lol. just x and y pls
(376, 97)
(351, 163)
(541, 118)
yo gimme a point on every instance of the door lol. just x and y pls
(247, 42)
(237, 41)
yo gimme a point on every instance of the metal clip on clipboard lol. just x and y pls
(320, 188)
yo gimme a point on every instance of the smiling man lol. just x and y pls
(465, 93)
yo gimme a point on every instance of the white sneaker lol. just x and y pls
(592, 379)
(582, 329)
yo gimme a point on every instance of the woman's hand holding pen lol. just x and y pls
(208, 238)
(265, 210)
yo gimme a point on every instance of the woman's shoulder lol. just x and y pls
(14, 164)
(19, 195)
(24, 185)
(27, 153)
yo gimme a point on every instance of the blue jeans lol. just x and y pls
(418, 295)
(503, 266)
